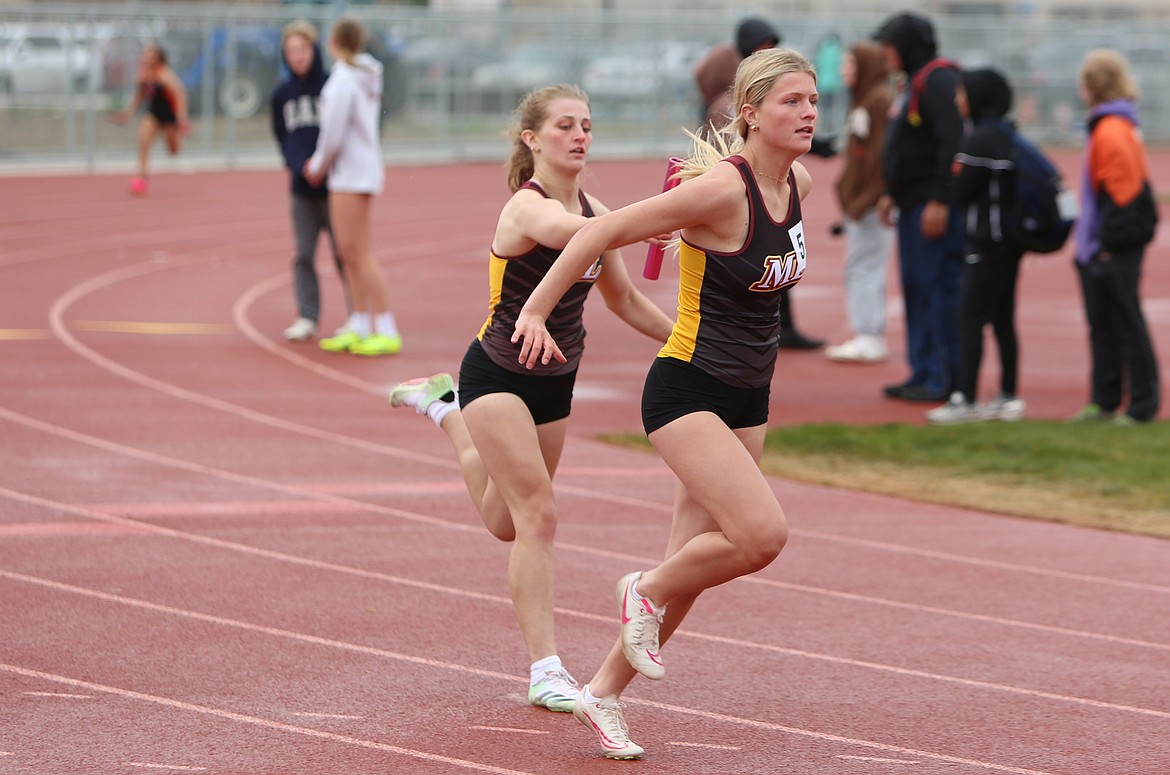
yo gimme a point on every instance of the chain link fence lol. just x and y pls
(452, 77)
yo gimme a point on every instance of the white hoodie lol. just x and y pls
(348, 146)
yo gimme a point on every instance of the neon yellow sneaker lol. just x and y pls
(341, 341)
(377, 344)
(420, 393)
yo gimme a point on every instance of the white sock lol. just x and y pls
(440, 409)
(587, 696)
(359, 323)
(385, 324)
(634, 589)
(543, 666)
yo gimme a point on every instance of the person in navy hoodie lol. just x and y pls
(296, 124)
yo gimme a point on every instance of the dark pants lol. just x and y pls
(931, 271)
(310, 216)
(1119, 340)
(989, 299)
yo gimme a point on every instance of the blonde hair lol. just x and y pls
(754, 78)
(302, 28)
(530, 114)
(349, 38)
(1105, 76)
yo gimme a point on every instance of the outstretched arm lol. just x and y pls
(706, 201)
(624, 299)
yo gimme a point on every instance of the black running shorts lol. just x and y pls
(548, 398)
(676, 388)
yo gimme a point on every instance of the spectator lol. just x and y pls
(921, 143)
(349, 152)
(1118, 219)
(295, 124)
(984, 191)
(162, 93)
(714, 75)
(830, 84)
(860, 186)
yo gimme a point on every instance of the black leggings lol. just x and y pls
(988, 298)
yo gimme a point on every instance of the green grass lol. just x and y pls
(1091, 474)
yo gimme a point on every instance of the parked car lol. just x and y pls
(661, 66)
(500, 85)
(438, 70)
(203, 60)
(48, 59)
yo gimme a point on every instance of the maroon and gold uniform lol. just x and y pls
(729, 303)
(512, 280)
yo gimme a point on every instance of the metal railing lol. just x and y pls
(452, 78)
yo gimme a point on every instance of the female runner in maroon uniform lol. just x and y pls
(509, 424)
(161, 91)
(705, 404)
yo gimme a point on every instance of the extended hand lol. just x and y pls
(537, 344)
(314, 179)
(934, 219)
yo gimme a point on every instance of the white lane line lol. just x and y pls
(510, 730)
(435, 521)
(825, 736)
(77, 292)
(685, 710)
(264, 723)
(827, 658)
(330, 715)
(880, 759)
(60, 694)
(1011, 567)
(172, 767)
(712, 746)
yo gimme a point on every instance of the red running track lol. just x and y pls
(223, 553)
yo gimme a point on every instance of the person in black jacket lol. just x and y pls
(295, 123)
(984, 192)
(921, 142)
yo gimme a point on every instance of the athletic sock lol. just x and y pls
(443, 407)
(385, 324)
(359, 323)
(634, 591)
(540, 667)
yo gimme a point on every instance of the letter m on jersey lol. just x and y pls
(779, 273)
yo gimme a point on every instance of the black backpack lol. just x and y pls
(1044, 210)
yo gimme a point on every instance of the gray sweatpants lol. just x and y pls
(310, 216)
(867, 251)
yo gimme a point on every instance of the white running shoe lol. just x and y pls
(640, 621)
(556, 691)
(420, 393)
(956, 410)
(1004, 409)
(301, 330)
(860, 349)
(605, 718)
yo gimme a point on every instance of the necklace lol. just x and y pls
(773, 178)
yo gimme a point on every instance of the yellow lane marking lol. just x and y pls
(25, 333)
(139, 327)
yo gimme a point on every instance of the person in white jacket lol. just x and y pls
(349, 153)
